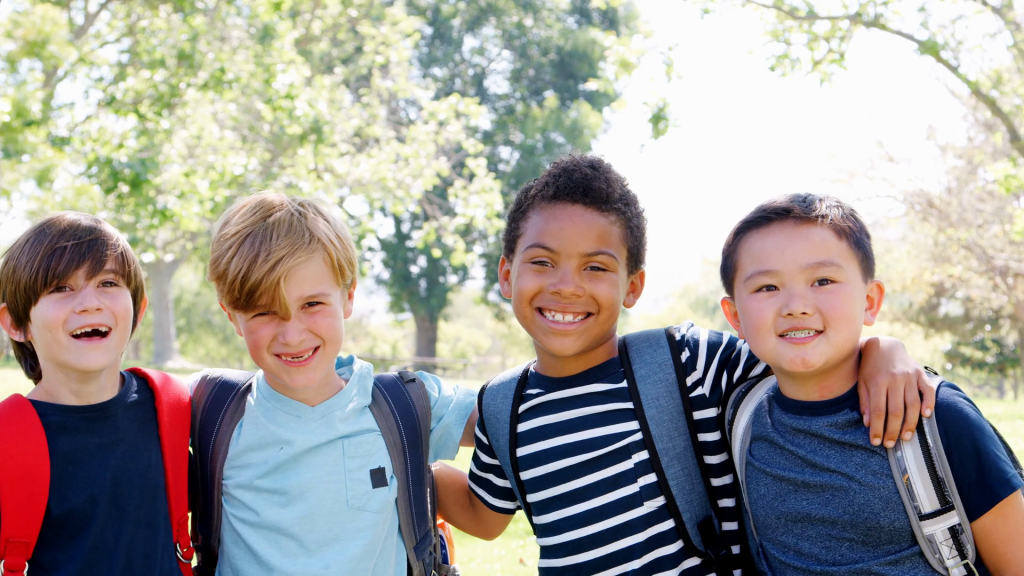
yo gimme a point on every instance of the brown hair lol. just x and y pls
(832, 213)
(263, 237)
(53, 250)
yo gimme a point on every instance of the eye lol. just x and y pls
(311, 304)
(823, 282)
(260, 314)
(767, 288)
(109, 284)
(60, 289)
(542, 263)
(596, 268)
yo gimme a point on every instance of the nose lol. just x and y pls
(291, 332)
(88, 299)
(796, 304)
(566, 283)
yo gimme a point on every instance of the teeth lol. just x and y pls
(298, 358)
(564, 317)
(81, 331)
(799, 333)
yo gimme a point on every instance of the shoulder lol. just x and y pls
(982, 468)
(955, 411)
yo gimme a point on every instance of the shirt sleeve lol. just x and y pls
(450, 407)
(982, 471)
(714, 363)
(486, 476)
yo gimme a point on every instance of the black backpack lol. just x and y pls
(402, 409)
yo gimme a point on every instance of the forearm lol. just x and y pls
(457, 504)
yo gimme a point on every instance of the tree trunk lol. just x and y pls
(426, 335)
(161, 309)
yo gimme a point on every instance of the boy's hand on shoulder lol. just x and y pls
(894, 390)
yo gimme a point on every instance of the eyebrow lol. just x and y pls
(317, 296)
(547, 248)
(818, 265)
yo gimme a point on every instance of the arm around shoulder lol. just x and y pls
(457, 504)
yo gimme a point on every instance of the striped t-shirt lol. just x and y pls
(592, 494)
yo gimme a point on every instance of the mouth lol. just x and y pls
(802, 333)
(298, 358)
(564, 317)
(91, 333)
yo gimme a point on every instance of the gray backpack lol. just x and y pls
(650, 361)
(919, 468)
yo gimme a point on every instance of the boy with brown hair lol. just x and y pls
(566, 438)
(109, 447)
(799, 271)
(308, 486)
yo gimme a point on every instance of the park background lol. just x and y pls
(417, 120)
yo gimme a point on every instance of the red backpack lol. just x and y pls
(25, 479)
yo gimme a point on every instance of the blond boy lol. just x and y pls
(298, 495)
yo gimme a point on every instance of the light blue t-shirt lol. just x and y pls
(298, 498)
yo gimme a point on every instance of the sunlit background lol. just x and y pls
(418, 120)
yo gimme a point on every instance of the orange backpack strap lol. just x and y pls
(24, 482)
(173, 416)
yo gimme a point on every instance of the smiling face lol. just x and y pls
(296, 349)
(80, 327)
(800, 301)
(568, 280)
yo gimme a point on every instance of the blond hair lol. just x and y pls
(262, 237)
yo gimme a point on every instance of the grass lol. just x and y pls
(515, 553)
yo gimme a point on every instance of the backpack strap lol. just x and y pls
(218, 403)
(401, 407)
(738, 417)
(498, 408)
(661, 407)
(929, 494)
(24, 483)
(173, 416)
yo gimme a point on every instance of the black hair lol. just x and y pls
(832, 213)
(588, 181)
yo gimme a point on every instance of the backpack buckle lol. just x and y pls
(965, 565)
(23, 571)
(185, 555)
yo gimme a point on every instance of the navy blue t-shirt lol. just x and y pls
(823, 500)
(107, 509)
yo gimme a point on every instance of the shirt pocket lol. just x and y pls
(650, 491)
(369, 479)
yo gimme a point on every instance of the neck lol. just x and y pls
(556, 366)
(77, 389)
(819, 385)
(312, 396)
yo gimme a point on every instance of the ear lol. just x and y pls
(635, 288)
(142, 312)
(505, 277)
(873, 302)
(232, 317)
(349, 298)
(8, 325)
(732, 314)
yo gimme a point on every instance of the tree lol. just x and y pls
(963, 255)
(167, 111)
(544, 72)
(979, 43)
